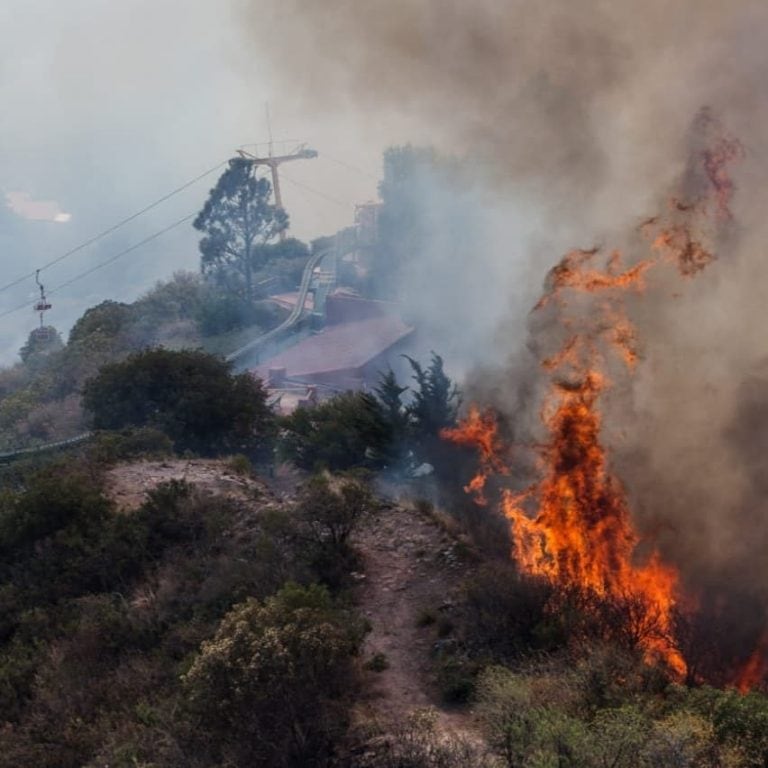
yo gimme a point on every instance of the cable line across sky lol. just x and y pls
(106, 262)
(111, 229)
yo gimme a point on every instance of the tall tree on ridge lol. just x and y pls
(238, 222)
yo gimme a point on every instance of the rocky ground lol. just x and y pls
(127, 484)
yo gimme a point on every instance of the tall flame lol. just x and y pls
(574, 525)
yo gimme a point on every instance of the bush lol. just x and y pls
(55, 500)
(686, 740)
(522, 729)
(346, 431)
(102, 611)
(508, 613)
(607, 676)
(456, 679)
(330, 513)
(221, 313)
(417, 743)
(145, 442)
(327, 517)
(377, 663)
(542, 717)
(240, 465)
(271, 682)
(742, 722)
(426, 617)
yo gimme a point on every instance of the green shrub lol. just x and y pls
(456, 678)
(508, 613)
(54, 501)
(426, 617)
(327, 514)
(522, 729)
(687, 740)
(742, 722)
(445, 626)
(347, 431)
(221, 313)
(240, 465)
(607, 676)
(112, 447)
(417, 742)
(270, 683)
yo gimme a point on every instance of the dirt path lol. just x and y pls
(411, 566)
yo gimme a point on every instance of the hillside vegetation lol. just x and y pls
(206, 583)
(190, 616)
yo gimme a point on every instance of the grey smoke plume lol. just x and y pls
(578, 99)
(576, 114)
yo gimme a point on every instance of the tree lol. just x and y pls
(436, 401)
(108, 319)
(191, 396)
(238, 222)
(39, 345)
(348, 430)
(389, 393)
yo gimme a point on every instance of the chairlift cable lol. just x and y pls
(124, 252)
(112, 228)
(344, 204)
(106, 262)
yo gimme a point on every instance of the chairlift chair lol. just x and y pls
(42, 305)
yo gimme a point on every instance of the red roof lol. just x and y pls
(340, 347)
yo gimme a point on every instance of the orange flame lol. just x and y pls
(480, 430)
(574, 525)
(582, 535)
(756, 668)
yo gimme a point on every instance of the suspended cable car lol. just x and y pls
(42, 305)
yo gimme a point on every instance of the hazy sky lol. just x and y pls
(107, 106)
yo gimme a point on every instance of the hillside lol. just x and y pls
(408, 587)
(166, 611)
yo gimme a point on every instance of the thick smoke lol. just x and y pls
(577, 115)
(584, 103)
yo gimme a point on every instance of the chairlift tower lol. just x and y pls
(273, 162)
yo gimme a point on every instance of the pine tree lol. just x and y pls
(239, 222)
(436, 399)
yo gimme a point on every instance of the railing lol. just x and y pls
(7, 458)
